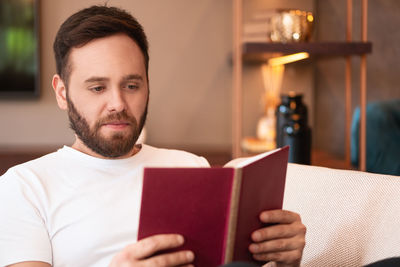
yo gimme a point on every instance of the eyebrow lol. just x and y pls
(96, 79)
(125, 78)
(133, 77)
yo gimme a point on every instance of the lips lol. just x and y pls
(116, 124)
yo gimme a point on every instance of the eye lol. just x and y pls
(132, 86)
(97, 89)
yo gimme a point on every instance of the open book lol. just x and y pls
(215, 209)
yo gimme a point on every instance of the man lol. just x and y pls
(80, 205)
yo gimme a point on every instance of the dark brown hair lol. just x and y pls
(92, 23)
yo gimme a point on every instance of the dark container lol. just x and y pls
(292, 128)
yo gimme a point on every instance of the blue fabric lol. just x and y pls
(383, 137)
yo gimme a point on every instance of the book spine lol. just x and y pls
(233, 213)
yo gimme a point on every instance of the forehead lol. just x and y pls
(116, 54)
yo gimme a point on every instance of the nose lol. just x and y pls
(116, 101)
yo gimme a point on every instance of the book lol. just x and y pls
(216, 209)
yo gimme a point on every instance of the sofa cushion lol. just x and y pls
(352, 217)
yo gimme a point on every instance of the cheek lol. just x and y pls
(138, 105)
(87, 111)
(91, 114)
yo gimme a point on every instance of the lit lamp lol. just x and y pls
(272, 73)
(272, 76)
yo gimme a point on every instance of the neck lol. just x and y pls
(81, 147)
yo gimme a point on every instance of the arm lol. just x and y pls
(283, 242)
(142, 253)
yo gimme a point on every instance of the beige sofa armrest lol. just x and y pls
(352, 218)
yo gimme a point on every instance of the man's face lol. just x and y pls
(107, 95)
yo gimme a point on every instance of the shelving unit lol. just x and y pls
(313, 48)
(259, 52)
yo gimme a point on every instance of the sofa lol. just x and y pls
(352, 217)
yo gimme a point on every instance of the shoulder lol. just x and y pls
(173, 157)
(25, 178)
(31, 168)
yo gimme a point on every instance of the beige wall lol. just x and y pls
(190, 76)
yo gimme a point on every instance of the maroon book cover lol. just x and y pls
(193, 202)
(197, 203)
(263, 186)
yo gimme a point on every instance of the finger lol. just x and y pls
(279, 216)
(277, 245)
(150, 245)
(270, 264)
(287, 257)
(170, 259)
(279, 231)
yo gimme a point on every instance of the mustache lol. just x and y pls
(120, 116)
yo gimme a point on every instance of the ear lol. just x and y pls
(60, 91)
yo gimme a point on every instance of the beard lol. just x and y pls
(116, 145)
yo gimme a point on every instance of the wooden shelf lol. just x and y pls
(259, 52)
(263, 51)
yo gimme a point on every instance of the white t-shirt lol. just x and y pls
(71, 209)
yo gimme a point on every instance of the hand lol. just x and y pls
(142, 253)
(283, 242)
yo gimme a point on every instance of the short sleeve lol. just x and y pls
(203, 162)
(23, 235)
